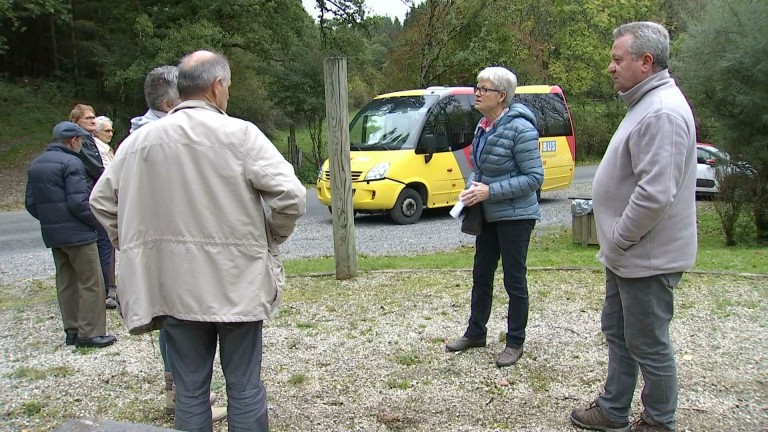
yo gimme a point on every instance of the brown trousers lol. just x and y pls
(80, 289)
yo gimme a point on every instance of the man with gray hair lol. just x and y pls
(645, 213)
(161, 94)
(207, 199)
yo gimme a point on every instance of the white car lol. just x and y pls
(712, 160)
(707, 158)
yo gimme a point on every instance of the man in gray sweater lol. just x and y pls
(645, 213)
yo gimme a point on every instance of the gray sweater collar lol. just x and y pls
(633, 95)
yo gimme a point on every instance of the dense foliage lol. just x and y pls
(722, 66)
(98, 52)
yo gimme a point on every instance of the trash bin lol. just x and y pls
(583, 221)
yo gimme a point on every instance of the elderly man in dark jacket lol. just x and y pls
(57, 195)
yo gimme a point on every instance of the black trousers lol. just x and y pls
(105, 256)
(509, 241)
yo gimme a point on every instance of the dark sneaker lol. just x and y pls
(112, 298)
(646, 424)
(509, 356)
(463, 343)
(95, 342)
(592, 418)
(111, 303)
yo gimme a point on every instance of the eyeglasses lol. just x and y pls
(483, 90)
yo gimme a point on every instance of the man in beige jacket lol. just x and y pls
(197, 203)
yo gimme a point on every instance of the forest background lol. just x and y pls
(55, 53)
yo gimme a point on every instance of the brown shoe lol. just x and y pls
(646, 424)
(509, 356)
(463, 343)
(170, 399)
(592, 418)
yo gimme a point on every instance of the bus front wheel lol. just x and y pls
(408, 208)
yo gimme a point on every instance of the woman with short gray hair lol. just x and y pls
(103, 136)
(506, 174)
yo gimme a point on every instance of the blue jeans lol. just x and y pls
(508, 240)
(635, 321)
(191, 350)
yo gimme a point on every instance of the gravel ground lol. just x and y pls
(367, 354)
(436, 231)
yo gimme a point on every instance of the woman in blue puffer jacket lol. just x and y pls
(506, 174)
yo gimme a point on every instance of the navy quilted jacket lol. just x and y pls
(57, 195)
(510, 164)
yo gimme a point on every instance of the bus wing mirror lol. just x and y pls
(430, 143)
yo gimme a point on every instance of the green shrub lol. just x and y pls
(307, 173)
(594, 123)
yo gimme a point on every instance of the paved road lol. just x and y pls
(584, 174)
(23, 254)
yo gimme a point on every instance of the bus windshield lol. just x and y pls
(390, 123)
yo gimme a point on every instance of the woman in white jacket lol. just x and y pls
(103, 136)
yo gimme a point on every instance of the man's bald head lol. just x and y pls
(199, 71)
(197, 57)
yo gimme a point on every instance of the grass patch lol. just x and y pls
(31, 408)
(398, 384)
(306, 325)
(34, 374)
(28, 292)
(408, 359)
(538, 380)
(137, 411)
(297, 379)
(12, 205)
(554, 247)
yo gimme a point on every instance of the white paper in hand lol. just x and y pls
(457, 208)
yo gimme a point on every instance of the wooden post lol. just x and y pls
(335, 69)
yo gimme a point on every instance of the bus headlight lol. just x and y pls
(378, 172)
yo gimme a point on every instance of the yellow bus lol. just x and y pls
(410, 150)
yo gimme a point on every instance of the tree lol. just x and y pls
(722, 67)
(17, 17)
(431, 48)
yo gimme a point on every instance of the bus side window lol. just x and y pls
(437, 125)
(550, 111)
(461, 122)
